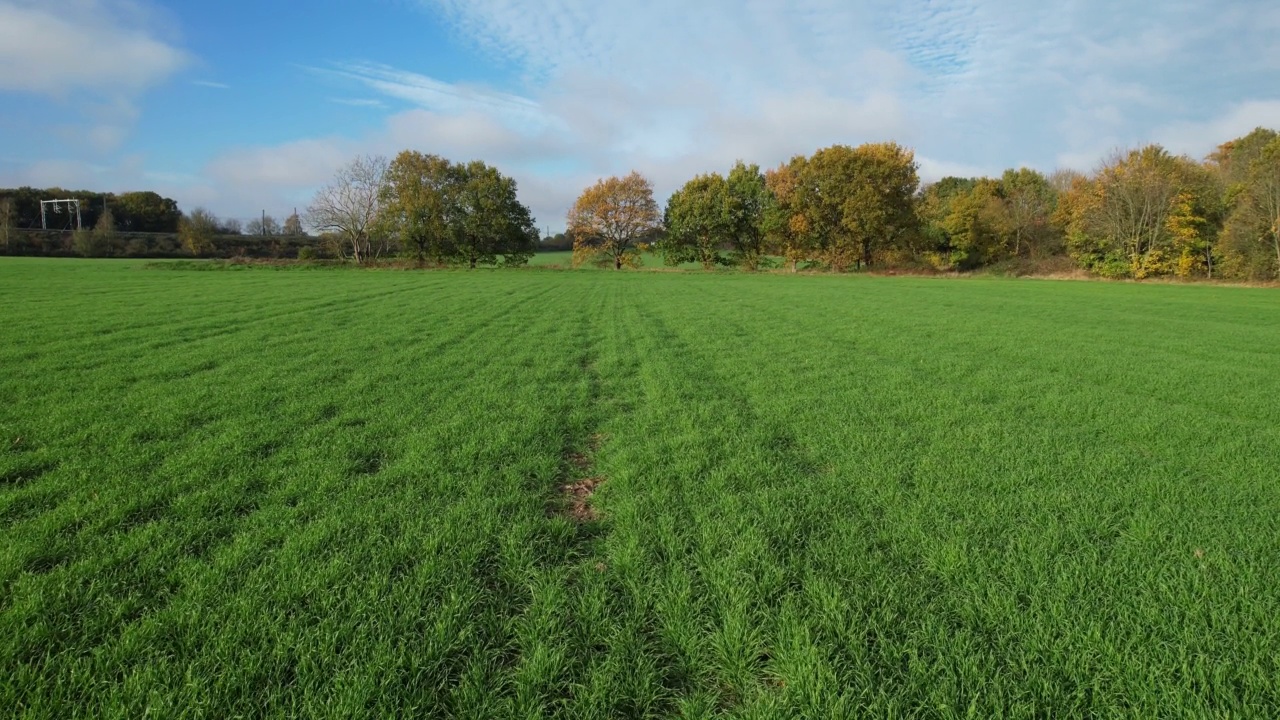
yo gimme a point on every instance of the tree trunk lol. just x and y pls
(617, 262)
(473, 262)
(793, 265)
(1275, 240)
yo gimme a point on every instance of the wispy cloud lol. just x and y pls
(673, 88)
(438, 96)
(211, 84)
(359, 102)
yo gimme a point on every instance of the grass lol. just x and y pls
(564, 259)
(341, 495)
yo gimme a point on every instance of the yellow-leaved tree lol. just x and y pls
(610, 218)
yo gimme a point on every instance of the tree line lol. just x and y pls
(144, 211)
(1143, 213)
(427, 207)
(135, 224)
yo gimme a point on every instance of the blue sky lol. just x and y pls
(242, 106)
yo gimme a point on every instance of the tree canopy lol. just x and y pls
(454, 213)
(611, 217)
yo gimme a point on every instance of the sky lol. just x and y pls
(242, 106)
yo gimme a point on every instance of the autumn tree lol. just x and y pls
(831, 190)
(196, 231)
(788, 230)
(351, 205)
(1187, 228)
(1254, 221)
(1231, 161)
(882, 210)
(610, 217)
(1119, 220)
(698, 222)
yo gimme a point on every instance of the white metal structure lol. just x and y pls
(57, 209)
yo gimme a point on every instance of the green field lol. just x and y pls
(340, 494)
(564, 259)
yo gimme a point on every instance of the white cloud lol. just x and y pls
(211, 84)
(57, 47)
(102, 51)
(1199, 138)
(674, 88)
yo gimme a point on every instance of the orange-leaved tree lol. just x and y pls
(787, 227)
(610, 217)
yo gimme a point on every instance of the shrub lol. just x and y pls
(306, 253)
(85, 243)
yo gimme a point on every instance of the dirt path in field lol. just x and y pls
(575, 496)
(579, 480)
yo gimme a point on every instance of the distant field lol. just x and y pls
(564, 259)
(341, 494)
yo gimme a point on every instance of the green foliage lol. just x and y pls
(134, 212)
(146, 212)
(698, 222)
(307, 253)
(963, 499)
(451, 213)
(749, 201)
(976, 226)
(842, 205)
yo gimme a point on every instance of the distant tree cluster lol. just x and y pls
(132, 211)
(1142, 213)
(132, 224)
(434, 210)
